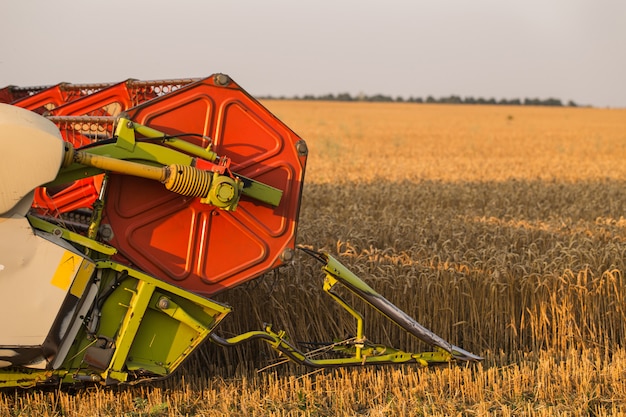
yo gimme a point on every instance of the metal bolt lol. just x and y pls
(163, 303)
(106, 232)
(221, 80)
(301, 147)
(287, 255)
(129, 124)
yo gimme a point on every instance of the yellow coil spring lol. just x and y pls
(189, 181)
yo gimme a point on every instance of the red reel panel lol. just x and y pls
(196, 246)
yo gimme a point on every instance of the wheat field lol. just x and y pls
(501, 228)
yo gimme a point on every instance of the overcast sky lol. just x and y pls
(566, 49)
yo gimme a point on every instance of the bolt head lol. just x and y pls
(301, 148)
(287, 255)
(163, 303)
(221, 80)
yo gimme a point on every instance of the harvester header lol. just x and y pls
(126, 205)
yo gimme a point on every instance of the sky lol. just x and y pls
(503, 49)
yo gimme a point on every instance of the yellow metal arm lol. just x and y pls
(357, 351)
(370, 355)
(213, 188)
(183, 167)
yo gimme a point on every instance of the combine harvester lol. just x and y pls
(124, 206)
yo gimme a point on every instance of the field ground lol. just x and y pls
(500, 228)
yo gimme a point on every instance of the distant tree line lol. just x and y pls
(453, 99)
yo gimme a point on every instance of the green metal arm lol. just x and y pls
(181, 166)
(370, 355)
(357, 351)
(336, 272)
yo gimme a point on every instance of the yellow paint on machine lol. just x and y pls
(73, 270)
(82, 278)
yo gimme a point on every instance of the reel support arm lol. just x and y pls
(182, 167)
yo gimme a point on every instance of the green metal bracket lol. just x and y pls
(24, 378)
(128, 330)
(168, 306)
(158, 324)
(391, 355)
(125, 133)
(329, 282)
(261, 192)
(81, 240)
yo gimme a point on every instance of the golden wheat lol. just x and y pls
(500, 228)
(537, 384)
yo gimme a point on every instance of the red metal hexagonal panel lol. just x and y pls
(196, 246)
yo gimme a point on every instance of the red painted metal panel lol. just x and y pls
(106, 102)
(12, 93)
(196, 246)
(115, 98)
(44, 100)
(6, 95)
(64, 101)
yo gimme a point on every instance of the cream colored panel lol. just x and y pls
(32, 151)
(32, 282)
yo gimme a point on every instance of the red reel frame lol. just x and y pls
(196, 246)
